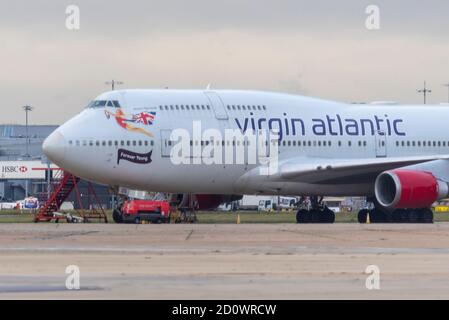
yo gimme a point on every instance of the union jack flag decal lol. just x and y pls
(146, 118)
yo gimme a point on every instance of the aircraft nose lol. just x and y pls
(54, 147)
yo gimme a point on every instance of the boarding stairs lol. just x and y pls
(65, 184)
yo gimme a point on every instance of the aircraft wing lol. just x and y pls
(343, 171)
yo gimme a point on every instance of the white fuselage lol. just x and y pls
(89, 144)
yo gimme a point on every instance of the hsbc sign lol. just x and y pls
(22, 170)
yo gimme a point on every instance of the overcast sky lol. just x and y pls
(317, 48)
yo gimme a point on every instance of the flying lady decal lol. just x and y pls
(138, 122)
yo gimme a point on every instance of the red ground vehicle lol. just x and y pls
(136, 211)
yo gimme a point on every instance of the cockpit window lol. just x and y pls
(97, 104)
(104, 103)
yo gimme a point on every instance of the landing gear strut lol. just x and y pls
(317, 213)
(381, 215)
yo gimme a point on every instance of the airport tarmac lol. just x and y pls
(246, 261)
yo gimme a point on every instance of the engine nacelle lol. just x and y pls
(402, 188)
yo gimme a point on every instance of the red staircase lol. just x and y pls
(60, 193)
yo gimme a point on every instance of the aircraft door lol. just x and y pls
(381, 144)
(217, 105)
(263, 144)
(166, 143)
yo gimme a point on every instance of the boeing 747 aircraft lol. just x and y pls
(187, 142)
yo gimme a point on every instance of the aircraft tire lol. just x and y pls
(414, 216)
(301, 216)
(378, 216)
(117, 216)
(362, 216)
(427, 215)
(328, 216)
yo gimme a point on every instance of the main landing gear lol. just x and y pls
(316, 212)
(381, 215)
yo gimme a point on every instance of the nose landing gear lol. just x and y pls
(315, 212)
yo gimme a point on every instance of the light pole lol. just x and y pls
(424, 91)
(27, 109)
(447, 85)
(113, 83)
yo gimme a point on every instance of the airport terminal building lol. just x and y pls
(24, 167)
